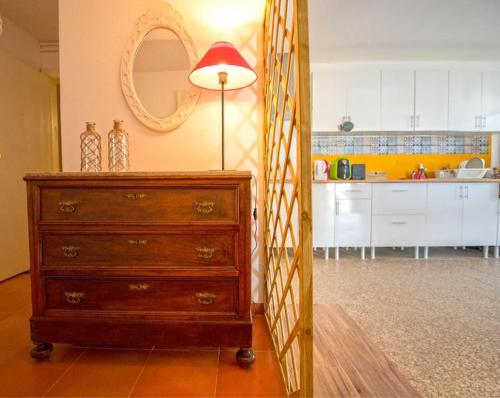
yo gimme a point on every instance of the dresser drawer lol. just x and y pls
(183, 204)
(144, 295)
(399, 198)
(403, 230)
(195, 249)
(353, 191)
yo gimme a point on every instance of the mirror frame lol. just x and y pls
(163, 16)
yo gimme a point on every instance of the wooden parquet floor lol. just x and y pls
(347, 364)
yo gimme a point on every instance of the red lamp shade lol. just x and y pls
(222, 57)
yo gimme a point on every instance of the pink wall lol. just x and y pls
(93, 35)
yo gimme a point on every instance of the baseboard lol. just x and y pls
(258, 308)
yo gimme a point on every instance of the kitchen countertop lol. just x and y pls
(432, 180)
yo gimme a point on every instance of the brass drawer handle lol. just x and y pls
(68, 206)
(204, 206)
(205, 298)
(74, 297)
(205, 252)
(135, 196)
(70, 251)
(139, 286)
(138, 242)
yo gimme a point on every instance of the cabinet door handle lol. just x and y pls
(74, 297)
(460, 192)
(70, 251)
(205, 252)
(337, 210)
(138, 242)
(68, 206)
(484, 122)
(466, 192)
(135, 196)
(399, 222)
(205, 298)
(352, 190)
(399, 190)
(204, 206)
(139, 286)
(417, 121)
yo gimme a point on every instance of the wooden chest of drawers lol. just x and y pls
(141, 259)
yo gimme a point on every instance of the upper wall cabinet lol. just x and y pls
(346, 95)
(406, 100)
(363, 99)
(329, 99)
(465, 100)
(491, 101)
(431, 100)
(398, 95)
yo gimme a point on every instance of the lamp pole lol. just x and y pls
(222, 82)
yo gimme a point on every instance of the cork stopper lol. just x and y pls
(90, 126)
(118, 124)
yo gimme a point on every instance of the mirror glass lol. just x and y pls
(160, 73)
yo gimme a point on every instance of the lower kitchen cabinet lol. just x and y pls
(497, 248)
(360, 215)
(398, 230)
(353, 214)
(479, 226)
(323, 200)
(462, 214)
(444, 215)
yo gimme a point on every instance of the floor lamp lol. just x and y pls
(222, 68)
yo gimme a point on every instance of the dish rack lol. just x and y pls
(470, 173)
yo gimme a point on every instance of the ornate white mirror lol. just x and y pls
(155, 69)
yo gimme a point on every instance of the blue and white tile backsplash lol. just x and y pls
(405, 144)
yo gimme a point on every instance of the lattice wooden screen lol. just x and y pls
(287, 162)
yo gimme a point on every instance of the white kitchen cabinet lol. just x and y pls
(353, 223)
(339, 95)
(479, 226)
(465, 100)
(398, 230)
(397, 100)
(353, 211)
(461, 214)
(399, 198)
(363, 99)
(444, 214)
(323, 200)
(497, 248)
(329, 94)
(491, 101)
(431, 100)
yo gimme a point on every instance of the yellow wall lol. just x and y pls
(401, 166)
(28, 143)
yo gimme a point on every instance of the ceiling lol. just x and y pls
(352, 30)
(37, 17)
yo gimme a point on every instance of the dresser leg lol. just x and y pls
(245, 357)
(42, 351)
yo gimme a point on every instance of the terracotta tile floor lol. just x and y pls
(87, 372)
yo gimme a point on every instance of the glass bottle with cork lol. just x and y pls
(118, 151)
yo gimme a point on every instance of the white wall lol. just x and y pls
(28, 140)
(404, 29)
(92, 37)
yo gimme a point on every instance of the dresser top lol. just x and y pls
(156, 175)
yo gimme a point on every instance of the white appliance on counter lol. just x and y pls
(321, 169)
